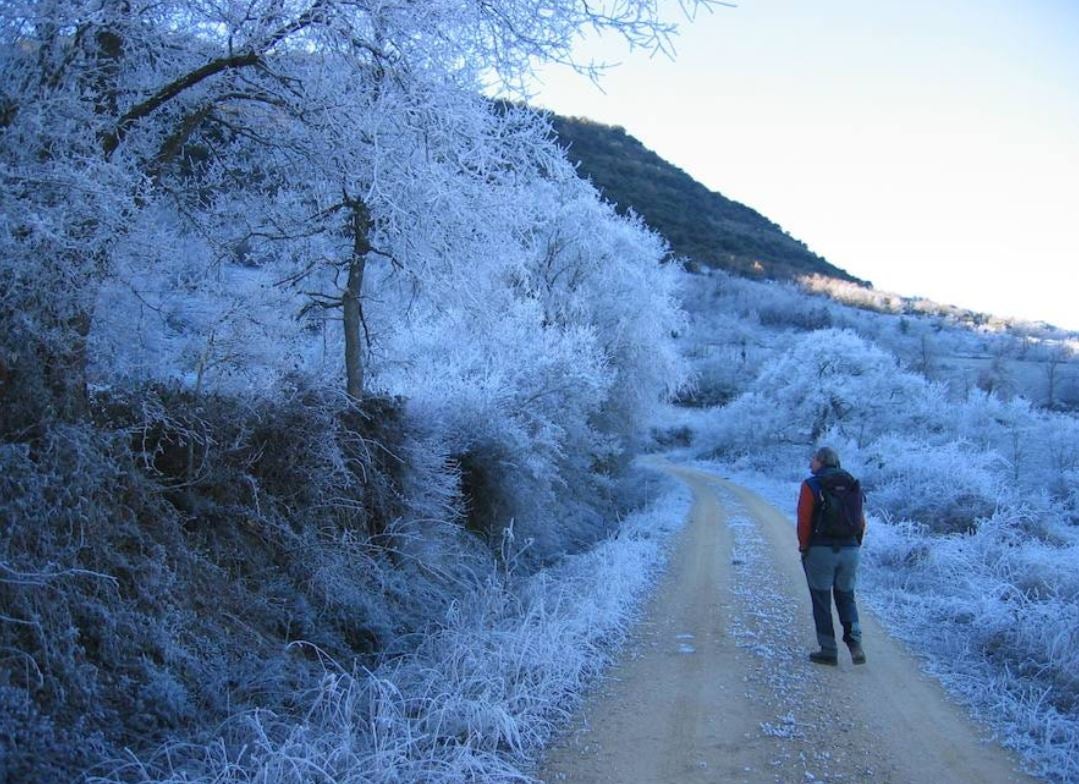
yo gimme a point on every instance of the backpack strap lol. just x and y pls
(813, 482)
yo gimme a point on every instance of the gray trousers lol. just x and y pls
(833, 572)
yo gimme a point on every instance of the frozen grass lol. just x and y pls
(476, 699)
(996, 615)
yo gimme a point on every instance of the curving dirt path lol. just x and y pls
(715, 686)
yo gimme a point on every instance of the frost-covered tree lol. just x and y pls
(831, 381)
(115, 112)
(568, 353)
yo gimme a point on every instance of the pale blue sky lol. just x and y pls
(931, 147)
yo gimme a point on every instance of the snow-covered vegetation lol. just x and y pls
(973, 489)
(320, 379)
(474, 700)
(304, 343)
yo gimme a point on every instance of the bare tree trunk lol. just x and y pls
(66, 372)
(1051, 371)
(1053, 362)
(62, 362)
(351, 304)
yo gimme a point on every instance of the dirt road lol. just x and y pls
(715, 686)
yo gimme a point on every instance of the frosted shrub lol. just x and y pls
(828, 381)
(772, 304)
(853, 294)
(1069, 504)
(724, 348)
(1039, 449)
(896, 545)
(571, 360)
(1052, 458)
(999, 613)
(947, 488)
(806, 316)
(76, 572)
(512, 426)
(149, 588)
(474, 701)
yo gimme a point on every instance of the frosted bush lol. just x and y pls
(896, 546)
(540, 414)
(828, 382)
(998, 615)
(474, 701)
(947, 488)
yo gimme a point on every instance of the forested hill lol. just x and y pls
(700, 224)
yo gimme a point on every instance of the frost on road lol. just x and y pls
(715, 685)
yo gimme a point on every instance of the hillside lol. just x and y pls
(700, 224)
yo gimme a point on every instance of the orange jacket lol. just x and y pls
(807, 504)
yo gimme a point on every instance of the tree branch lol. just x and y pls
(110, 141)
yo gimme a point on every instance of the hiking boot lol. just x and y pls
(857, 655)
(823, 657)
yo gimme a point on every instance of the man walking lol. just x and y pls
(831, 524)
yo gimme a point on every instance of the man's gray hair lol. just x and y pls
(827, 457)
